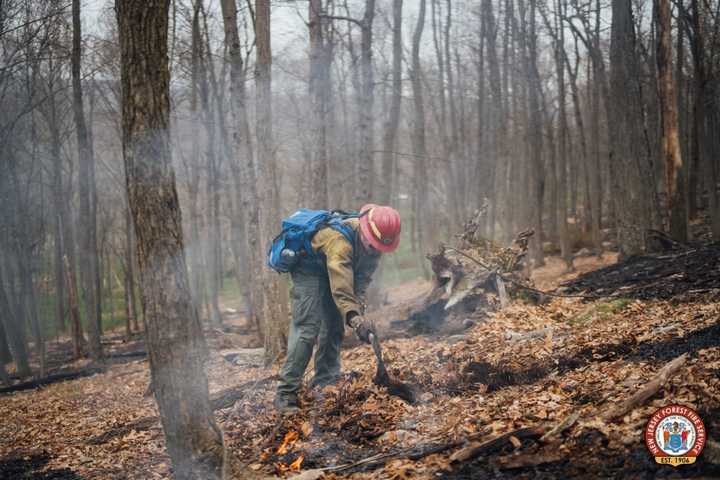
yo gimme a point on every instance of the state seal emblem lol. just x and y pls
(675, 435)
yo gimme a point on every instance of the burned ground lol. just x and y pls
(660, 276)
(487, 395)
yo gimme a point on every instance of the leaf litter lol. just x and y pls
(492, 405)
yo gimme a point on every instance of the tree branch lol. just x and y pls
(341, 17)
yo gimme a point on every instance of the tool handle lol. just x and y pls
(382, 371)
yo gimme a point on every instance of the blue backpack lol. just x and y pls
(295, 240)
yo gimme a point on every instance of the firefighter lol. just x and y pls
(328, 297)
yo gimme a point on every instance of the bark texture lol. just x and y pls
(275, 317)
(176, 346)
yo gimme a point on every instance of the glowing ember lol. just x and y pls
(288, 441)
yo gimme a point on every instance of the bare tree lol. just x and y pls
(320, 89)
(247, 232)
(624, 119)
(672, 157)
(16, 342)
(366, 130)
(420, 173)
(88, 263)
(393, 121)
(275, 321)
(175, 342)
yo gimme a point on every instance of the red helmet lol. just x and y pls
(380, 225)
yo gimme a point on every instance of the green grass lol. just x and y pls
(600, 310)
(111, 318)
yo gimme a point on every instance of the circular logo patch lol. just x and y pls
(675, 435)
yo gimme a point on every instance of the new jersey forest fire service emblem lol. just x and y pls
(675, 435)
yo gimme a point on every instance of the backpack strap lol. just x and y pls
(337, 223)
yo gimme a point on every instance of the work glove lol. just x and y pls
(363, 327)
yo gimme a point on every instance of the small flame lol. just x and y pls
(295, 466)
(290, 438)
(283, 468)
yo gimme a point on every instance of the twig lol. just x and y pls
(341, 17)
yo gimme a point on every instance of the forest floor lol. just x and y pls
(488, 394)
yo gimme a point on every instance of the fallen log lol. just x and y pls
(650, 389)
(494, 445)
(133, 354)
(50, 379)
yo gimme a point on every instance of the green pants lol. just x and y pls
(315, 318)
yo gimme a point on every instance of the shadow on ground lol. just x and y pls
(32, 467)
(590, 457)
(497, 377)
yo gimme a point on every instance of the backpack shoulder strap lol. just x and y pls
(340, 225)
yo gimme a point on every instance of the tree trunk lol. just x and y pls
(13, 334)
(175, 342)
(92, 185)
(130, 303)
(385, 195)
(624, 120)
(78, 340)
(536, 172)
(87, 237)
(672, 157)
(26, 304)
(496, 119)
(275, 305)
(211, 269)
(244, 173)
(59, 275)
(420, 174)
(702, 156)
(28, 287)
(197, 221)
(366, 170)
(5, 354)
(320, 89)
(562, 166)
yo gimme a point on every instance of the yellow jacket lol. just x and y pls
(349, 268)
